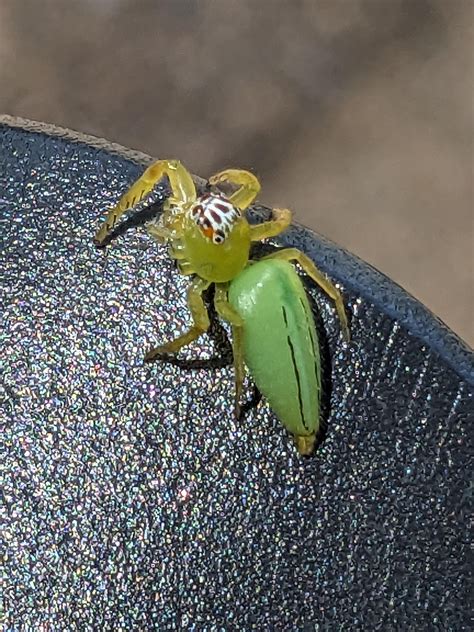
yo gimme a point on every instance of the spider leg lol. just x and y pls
(161, 234)
(200, 322)
(281, 219)
(182, 187)
(248, 184)
(228, 313)
(293, 254)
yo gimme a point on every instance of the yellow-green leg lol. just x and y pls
(200, 322)
(281, 219)
(182, 187)
(160, 233)
(169, 229)
(293, 254)
(248, 184)
(228, 313)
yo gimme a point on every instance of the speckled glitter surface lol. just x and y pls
(134, 500)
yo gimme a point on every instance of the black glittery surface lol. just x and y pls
(134, 500)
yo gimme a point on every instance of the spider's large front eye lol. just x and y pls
(218, 237)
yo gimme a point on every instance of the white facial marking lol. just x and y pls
(215, 216)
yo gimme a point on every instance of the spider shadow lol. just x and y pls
(326, 370)
(223, 356)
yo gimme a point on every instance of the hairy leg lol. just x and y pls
(248, 184)
(281, 219)
(182, 187)
(292, 254)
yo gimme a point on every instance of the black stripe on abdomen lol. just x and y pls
(295, 368)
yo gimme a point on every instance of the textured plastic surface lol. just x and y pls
(134, 500)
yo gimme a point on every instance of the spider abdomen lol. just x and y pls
(280, 343)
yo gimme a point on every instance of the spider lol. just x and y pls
(273, 330)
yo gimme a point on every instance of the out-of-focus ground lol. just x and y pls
(355, 113)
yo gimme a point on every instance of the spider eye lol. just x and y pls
(218, 238)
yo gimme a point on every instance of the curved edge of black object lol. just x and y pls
(374, 526)
(393, 299)
(338, 263)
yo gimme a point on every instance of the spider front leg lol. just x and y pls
(228, 313)
(281, 219)
(248, 184)
(293, 254)
(200, 322)
(182, 187)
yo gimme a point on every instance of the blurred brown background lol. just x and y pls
(356, 113)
